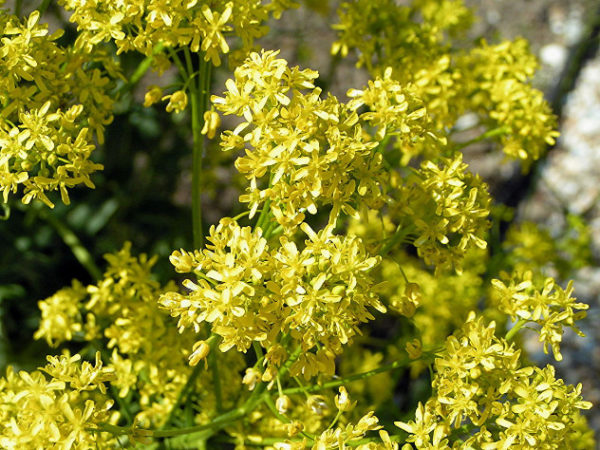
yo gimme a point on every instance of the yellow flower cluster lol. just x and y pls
(393, 109)
(407, 35)
(200, 25)
(437, 305)
(446, 208)
(500, 92)
(550, 307)
(59, 410)
(303, 303)
(416, 41)
(302, 152)
(483, 398)
(122, 309)
(342, 432)
(531, 247)
(318, 294)
(54, 102)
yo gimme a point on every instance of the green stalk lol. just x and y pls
(515, 329)
(257, 397)
(140, 70)
(213, 363)
(488, 134)
(398, 237)
(398, 364)
(199, 98)
(212, 341)
(70, 238)
(43, 6)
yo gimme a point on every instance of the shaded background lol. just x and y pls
(143, 194)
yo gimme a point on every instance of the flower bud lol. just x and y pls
(414, 349)
(201, 351)
(251, 377)
(177, 101)
(152, 96)
(295, 427)
(342, 401)
(212, 120)
(282, 404)
(413, 292)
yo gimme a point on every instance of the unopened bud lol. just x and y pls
(153, 96)
(295, 427)
(414, 349)
(251, 377)
(269, 374)
(177, 101)
(413, 292)
(342, 401)
(200, 352)
(282, 404)
(212, 120)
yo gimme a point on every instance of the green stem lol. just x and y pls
(488, 134)
(282, 418)
(213, 363)
(199, 93)
(18, 7)
(269, 441)
(292, 359)
(264, 213)
(257, 397)
(188, 385)
(515, 329)
(140, 70)
(357, 376)
(398, 237)
(182, 70)
(123, 405)
(43, 6)
(70, 238)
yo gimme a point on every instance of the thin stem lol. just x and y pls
(270, 441)
(258, 350)
(358, 376)
(43, 6)
(188, 386)
(18, 8)
(199, 93)
(488, 134)
(141, 69)
(213, 363)
(70, 238)
(182, 70)
(398, 237)
(257, 397)
(123, 405)
(515, 329)
(282, 418)
(292, 359)
(265, 213)
(266, 209)
(183, 394)
(398, 364)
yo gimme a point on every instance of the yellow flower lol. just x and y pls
(153, 95)
(177, 101)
